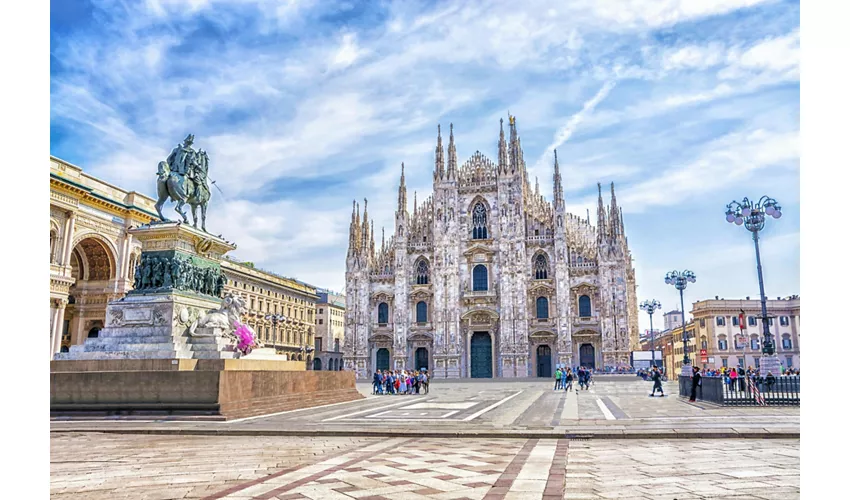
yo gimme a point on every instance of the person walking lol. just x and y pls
(564, 379)
(656, 382)
(696, 381)
(376, 382)
(568, 380)
(557, 379)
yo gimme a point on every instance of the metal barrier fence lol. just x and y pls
(782, 391)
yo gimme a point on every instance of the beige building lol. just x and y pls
(330, 331)
(93, 259)
(269, 295)
(720, 336)
(669, 342)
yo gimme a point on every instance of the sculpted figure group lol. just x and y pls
(155, 272)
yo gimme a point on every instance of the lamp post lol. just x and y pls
(680, 280)
(275, 319)
(650, 306)
(752, 215)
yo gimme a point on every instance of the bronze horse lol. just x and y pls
(190, 189)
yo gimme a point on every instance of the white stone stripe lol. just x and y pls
(605, 410)
(494, 405)
(348, 415)
(292, 411)
(570, 411)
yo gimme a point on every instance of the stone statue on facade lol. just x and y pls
(182, 178)
(223, 322)
(146, 273)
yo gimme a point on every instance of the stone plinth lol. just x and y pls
(224, 388)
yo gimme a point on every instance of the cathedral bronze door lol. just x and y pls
(382, 359)
(481, 355)
(587, 356)
(544, 361)
(421, 359)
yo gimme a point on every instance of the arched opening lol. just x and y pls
(383, 313)
(544, 361)
(421, 312)
(479, 222)
(64, 348)
(479, 278)
(541, 267)
(93, 266)
(542, 308)
(317, 365)
(422, 272)
(54, 238)
(587, 356)
(584, 306)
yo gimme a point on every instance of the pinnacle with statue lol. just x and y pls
(182, 178)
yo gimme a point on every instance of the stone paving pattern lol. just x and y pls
(124, 466)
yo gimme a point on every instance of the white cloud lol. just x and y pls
(348, 52)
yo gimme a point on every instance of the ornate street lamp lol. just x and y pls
(275, 319)
(680, 280)
(650, 306)
(752, 215)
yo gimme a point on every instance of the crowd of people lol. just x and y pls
(564, 378)
(400, 382)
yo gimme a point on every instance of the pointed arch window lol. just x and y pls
(479, 222)
(421, 312)
(584, 306)
(542, 308)
(422, 272)
(541, 267)
(479, 278)
(383, 313)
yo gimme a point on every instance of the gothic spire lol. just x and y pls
(440, 166)
(536, 186)
(415, 204)
(558, 187)
(452, 171)
(514, 146)
(352, 231)
(402, 193)
(357, 228)
(615, 215)
(503, 148)
(366, 236)
(383, 242)
(372, 239)
(600, 216)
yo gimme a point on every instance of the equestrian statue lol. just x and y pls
(182, 178)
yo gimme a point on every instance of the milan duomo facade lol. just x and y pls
(488, 279)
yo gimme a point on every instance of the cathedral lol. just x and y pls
(486, 278)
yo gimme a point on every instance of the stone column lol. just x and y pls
(57, 312)
(69, 238)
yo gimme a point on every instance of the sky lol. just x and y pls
(304, 106)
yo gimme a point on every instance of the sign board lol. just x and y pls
(703, 360)
(711, 359)
(703, 352)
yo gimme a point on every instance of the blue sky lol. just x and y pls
(685, 105)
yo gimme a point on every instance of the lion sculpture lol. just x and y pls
(225, 317)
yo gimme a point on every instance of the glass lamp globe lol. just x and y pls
(730, 217)
(777, 214)
(746, 212)
(770, 210)
(739, 221)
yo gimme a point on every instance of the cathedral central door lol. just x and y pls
(544, 361)
(421, 359)
(481, 355)
(587, 356)
(382, 359)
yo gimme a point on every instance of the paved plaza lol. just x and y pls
(134, 466)
(465, 439)
(527, 408)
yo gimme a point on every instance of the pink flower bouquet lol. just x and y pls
(245, 339)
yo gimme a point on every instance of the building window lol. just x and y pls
(702, 322)
(789, 361)
(754, 344)
(783, 321)
(770, 321)
(751, 320)
(542, 308)
(721, 321)
(421, 312)
(383, 313)
(757, 361)
(734, 321)
(786, 342)
(725, 362)
(722, 344)
(703, 343)
(422, 272)
(479, 278)
(321, 311)
(336, 345)
(541, 267)
(321, 321)
(584, 306)
(479, 222)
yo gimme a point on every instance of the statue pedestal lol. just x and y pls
(770, 364)
(178, 280)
